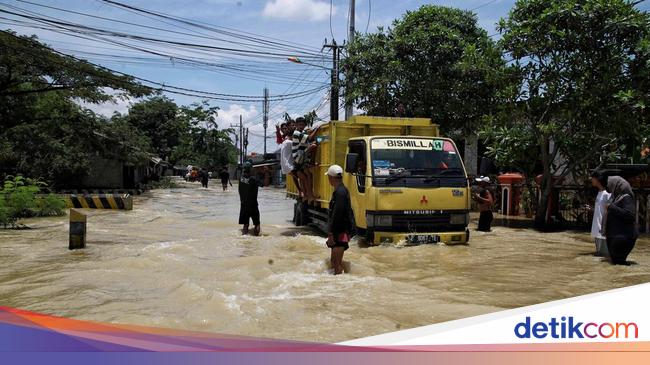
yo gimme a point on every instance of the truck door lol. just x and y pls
(356, 184)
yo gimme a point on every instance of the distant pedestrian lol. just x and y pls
(203, 175)
(485, 201)
(248, 189)
(620, 220)
(599, 181)
(224, 175)
(341, 220)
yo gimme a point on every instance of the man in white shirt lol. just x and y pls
(599, 181)
(287, 163)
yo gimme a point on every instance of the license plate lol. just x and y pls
(422, 239)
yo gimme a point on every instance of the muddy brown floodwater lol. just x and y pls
(177, 260)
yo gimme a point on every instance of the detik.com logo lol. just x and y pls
(568, 327)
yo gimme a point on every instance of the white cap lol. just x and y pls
(334, 171)
(484, 179)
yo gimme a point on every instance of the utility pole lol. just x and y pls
(245, 146)
(239, 139)
(348, 106)
(334, 91)
(265, 108)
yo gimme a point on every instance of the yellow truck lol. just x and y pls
(407, 185)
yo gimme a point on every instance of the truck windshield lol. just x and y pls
(407, 159)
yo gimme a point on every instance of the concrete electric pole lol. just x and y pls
(334, 90)
(265, 108)
(351, 31)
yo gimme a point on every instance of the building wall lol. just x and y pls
(104, 173)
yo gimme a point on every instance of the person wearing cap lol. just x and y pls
(485, 201)
(248, 188)
(341, 222)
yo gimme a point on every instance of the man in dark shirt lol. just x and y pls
(340, 222)
(248, 188)
(224, 175)
(485, 201)
(203, 174)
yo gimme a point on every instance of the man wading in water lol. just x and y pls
(248, 187)
(340, 223)
(485, 202)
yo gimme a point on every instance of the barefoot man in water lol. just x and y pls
(248, 188)
(340, 223)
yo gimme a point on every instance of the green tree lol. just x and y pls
(30, 67)
(159, 119)
(435, 62)
(204, 144)
(44, 133)
(579, 78)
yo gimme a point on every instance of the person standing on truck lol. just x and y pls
(301, 148)
(340, 223)
(249, 209)
(281, 132)
(485, 200)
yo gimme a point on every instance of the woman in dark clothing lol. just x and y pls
(620, 226)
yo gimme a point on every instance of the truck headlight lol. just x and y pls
(458, 219)
(384, 220)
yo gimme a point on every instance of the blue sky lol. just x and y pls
(306, 22)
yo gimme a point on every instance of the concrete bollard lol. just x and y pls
(77, 230)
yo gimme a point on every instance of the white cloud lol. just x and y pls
(307, 10)
(230, 115)
(107, 109)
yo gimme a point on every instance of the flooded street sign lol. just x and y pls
(77, 230)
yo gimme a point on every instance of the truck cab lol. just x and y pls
(407, 185)
(408, 189)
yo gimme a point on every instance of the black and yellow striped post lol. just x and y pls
(100, 201)
(77, 230)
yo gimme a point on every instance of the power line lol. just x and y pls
(177, 89)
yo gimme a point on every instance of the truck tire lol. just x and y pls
(301, 214)
(370, 236)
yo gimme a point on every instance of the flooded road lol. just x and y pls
(177, 260)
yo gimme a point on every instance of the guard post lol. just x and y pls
(77, 230)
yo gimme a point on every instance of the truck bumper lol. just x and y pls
(402, 238)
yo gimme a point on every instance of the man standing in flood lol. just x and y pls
(248, 188)
(224, 175)
(485, 201)
(340, 223)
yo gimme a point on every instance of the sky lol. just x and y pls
(304, 24)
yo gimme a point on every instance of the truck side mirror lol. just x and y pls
(351, 163)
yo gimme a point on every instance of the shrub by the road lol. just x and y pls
(20, 198)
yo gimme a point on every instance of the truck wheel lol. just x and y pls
(370, 236)
(302, 214)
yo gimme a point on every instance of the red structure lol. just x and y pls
(510, 192)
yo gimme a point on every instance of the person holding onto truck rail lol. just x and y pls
(341, 222)
(281, 132)
(287, 165)
(249, 209)
(301, 147)
(485, 200)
